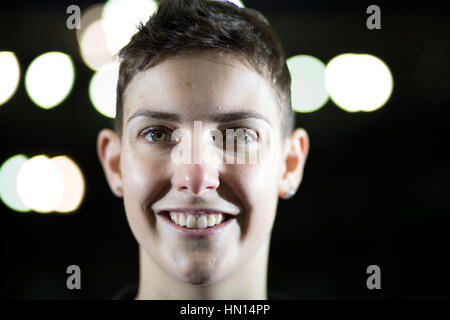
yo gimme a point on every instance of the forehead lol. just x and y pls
(197, 84)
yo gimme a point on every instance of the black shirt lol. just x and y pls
(129, 293)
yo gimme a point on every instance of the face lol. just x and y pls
(199, 96)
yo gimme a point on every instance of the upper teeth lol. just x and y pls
(200, 221)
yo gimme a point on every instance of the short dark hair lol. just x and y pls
(180, 25)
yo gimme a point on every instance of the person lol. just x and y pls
(198, 76)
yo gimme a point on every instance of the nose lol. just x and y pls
(200, 172)
(195, 178)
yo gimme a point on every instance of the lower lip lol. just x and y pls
(197, 233)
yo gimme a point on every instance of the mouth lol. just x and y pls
(197, 223)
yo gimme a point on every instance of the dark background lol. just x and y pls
(376, 187)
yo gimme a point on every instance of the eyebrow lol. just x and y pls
(221, 117)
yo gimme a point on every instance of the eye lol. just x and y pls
(156, 135)
(240, 135)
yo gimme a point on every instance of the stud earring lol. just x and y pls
(289, 194)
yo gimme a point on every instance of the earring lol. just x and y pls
(289, 194)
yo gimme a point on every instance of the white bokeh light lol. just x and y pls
(9, 75)
(308, 91)
(74, 187)
(8, 183)
(93, 48)
(102, 89)
(40, 184)
(49, 79)
(358, 82)
(120, 19)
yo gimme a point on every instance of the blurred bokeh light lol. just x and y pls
(9, 75)
(74, 186)
(102, 89)
(8, 187)
(40, 184)
(120, 20)
(308, 92)
(49, 79)
(93, 48)
(91, 38)
(88, 16)
(358, 82)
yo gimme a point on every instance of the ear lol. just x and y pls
(108, 150)
(296, 151)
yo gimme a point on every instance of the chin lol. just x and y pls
(200, 279)
(199, 275)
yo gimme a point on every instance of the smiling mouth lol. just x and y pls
(197, 220)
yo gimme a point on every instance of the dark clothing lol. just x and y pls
(129, 293)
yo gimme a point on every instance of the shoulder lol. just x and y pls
(129, 292)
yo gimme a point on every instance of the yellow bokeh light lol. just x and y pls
(74, 187)
(93, 48)
(89, 15)
(9, 75)
(40, 184)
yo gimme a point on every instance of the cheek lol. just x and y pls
(257, 186)
(260, 181)
(143, 176)
(139, 177)
(257, 183)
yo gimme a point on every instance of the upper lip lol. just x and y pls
(195, 210)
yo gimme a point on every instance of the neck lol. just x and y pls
(248, 282)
